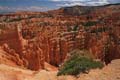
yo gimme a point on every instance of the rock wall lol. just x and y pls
(9, 56)
(53, 49)
(13, 38)
(34, 56)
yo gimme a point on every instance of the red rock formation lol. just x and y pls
(49, 36)
(13, 38)
(9, 56)
(34, 56)
(58, 51)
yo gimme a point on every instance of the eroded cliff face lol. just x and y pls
(9, 56)
(54, 49)
(33, 38)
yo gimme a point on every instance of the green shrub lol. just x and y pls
(75, 28)
(90, 23)
(78, 64)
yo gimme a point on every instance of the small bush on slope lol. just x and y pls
(77, 64)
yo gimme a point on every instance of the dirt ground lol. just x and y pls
(109, 72)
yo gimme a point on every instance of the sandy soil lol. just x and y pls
(110, 72)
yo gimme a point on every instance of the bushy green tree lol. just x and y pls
(78, 64)
(90, 23)
(75, 28)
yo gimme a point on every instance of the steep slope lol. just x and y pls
(10, 58)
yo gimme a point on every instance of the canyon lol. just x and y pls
(43, 40)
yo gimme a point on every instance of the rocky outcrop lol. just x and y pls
(58, 51)
(9, 56)
(13, 38)
(34, 56)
